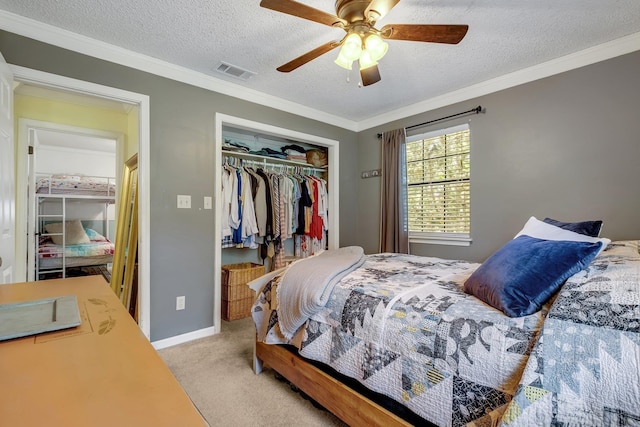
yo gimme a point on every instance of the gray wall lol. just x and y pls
(181, 162)
(566, 147)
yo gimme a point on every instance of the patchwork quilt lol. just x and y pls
(585, 368)
(403, 327)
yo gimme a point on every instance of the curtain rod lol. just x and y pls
(476, 110)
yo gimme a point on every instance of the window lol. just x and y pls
(438, 182)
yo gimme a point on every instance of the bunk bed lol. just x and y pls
(64, 244)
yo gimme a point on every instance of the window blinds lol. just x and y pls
(438, 181)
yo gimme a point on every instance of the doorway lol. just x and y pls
(85, 93)
(73, 161)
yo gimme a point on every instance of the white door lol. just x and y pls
(7, 178)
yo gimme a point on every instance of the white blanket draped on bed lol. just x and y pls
(307, 284)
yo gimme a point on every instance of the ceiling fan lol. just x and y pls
(363, 42)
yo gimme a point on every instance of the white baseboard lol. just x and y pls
(181, 339)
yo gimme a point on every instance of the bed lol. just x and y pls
(585, 367)
(61, 199)
(411, 332)
(82, 247)
(78, 185)
(80, 255)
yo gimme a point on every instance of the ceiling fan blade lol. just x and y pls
(300, 10)
(380, 8)
(451, 34)
(309, 56)
(370, 75)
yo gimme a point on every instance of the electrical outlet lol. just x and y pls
(180, 302)
(366, 174)
(184, 202)
(208, 202)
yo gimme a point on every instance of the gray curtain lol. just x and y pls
(394, 229)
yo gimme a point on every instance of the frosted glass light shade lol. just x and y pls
(343, 62)
(376, 47)
(366, 60)
(352, 47)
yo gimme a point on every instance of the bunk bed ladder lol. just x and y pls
(41, 231)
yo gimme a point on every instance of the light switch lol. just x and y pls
(208, 202)
(184, 202)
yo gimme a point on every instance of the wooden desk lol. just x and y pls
(101, 373)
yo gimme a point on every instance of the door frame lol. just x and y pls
(333, 149)
(66, 84)
(25, 202)
(7, 163)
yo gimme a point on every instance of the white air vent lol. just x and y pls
(233, 71)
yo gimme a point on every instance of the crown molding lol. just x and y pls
(68, 40)
(601, 52)
(87, 46)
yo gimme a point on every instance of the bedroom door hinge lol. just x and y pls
(31, 149)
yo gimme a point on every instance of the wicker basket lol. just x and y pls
(238, 309)
(236, 295)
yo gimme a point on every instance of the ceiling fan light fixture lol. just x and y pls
(376, 47)
(352, 47)
(366, 60)
(343, 62)
(363, 41)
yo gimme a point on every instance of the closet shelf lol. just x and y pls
(273, 160)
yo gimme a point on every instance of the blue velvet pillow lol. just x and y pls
(588, 228)
(522, 275)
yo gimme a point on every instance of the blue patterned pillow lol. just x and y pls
(94, 236)
(588, 228)
(522, 275)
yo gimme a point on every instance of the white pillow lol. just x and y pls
(542, 230)
(74, 232)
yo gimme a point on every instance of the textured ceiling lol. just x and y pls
(504, 36)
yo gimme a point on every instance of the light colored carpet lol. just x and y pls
(216, 373)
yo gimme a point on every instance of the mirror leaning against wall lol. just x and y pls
(124, 273)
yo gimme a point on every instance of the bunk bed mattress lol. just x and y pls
(94, 253)
(76, 185)
(403, 327)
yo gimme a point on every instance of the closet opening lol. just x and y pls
(276, 202)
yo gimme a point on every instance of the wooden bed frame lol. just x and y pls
(341, 400)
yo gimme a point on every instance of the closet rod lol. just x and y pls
(262, 161)
(476, 110)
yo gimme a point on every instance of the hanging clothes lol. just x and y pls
(260, 202)
(270, 206)
(249, 221)
(304, 204)
(237, 232)
(229, 203)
